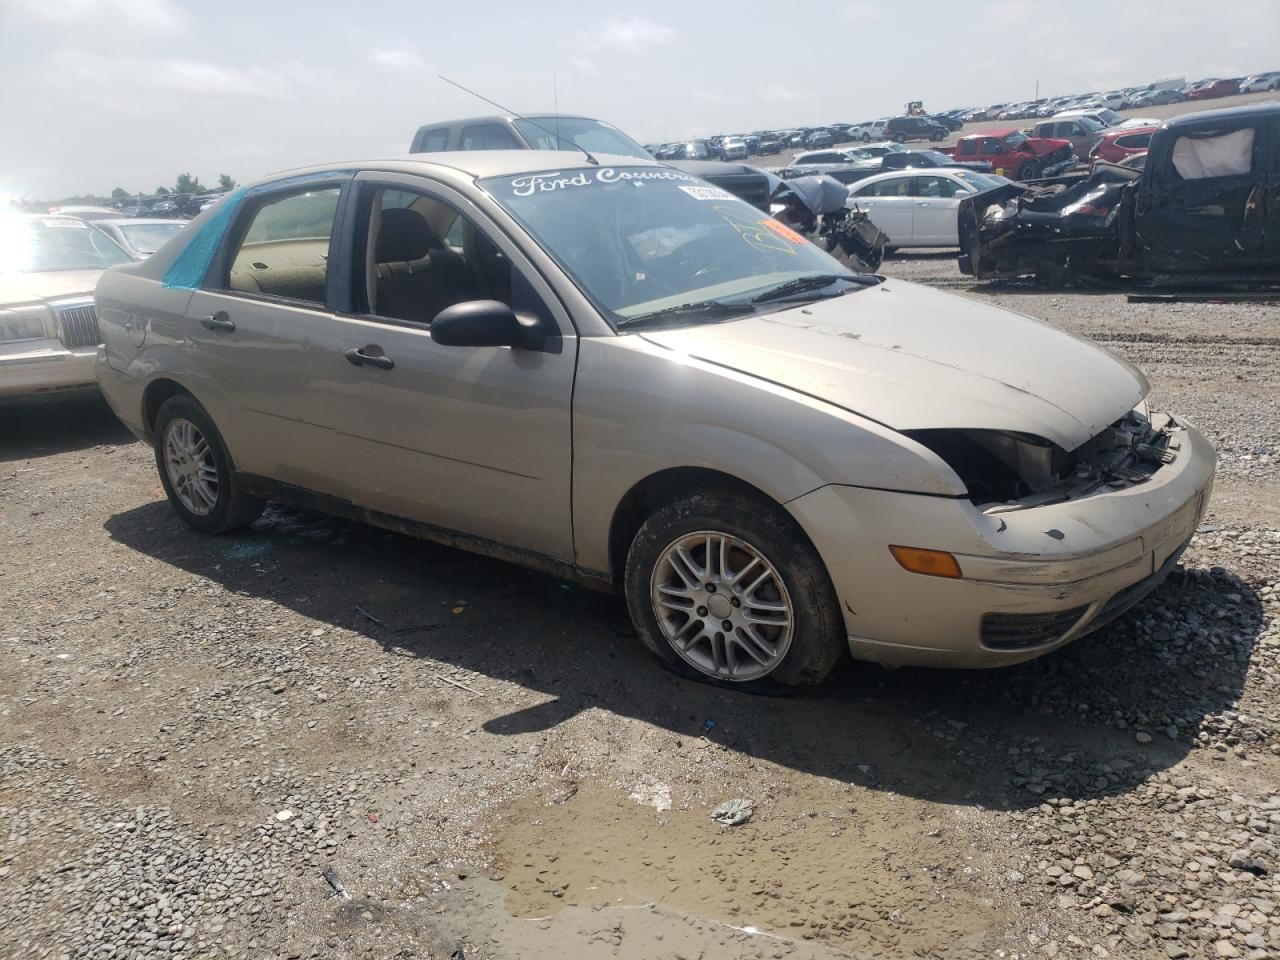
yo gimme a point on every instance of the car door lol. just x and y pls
(265, 292)
(1202, 204)
(888, 202)
(934, 207)
(472, 440)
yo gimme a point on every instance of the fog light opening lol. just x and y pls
(930, 563)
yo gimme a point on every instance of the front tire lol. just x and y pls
(197, 472)
(727, 588)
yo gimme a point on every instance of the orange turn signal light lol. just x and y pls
(931, 563)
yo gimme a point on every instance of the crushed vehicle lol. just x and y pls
(818, 207)
(49, 265)
(551, 131)
(1197, 210)
(1013, 154)
(610, 370)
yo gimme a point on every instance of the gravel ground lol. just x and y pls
(196, 729)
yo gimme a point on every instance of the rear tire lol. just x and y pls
(197, 472)
(747, 561)
(899, 138)
(1030, 171)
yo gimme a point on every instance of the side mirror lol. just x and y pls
(486, 323)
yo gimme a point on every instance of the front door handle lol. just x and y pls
(361, 357)
(219, 321)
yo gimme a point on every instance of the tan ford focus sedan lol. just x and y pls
(609, 370)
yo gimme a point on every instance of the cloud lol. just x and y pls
(146, 16)
(630, 33)
(398, 60)
(583, 67)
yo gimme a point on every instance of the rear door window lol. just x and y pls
(895, 187)
(488, 136)
(284, 251)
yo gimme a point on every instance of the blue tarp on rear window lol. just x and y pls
(188, 270)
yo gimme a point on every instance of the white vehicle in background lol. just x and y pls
(866, 132)
(139, 236)
(49, 265)
(919, 208)
(1108, 118)
(735, 148)
(1261, 82)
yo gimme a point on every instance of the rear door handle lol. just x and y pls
(219, 321)
(359, 357)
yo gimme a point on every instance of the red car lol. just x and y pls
(1122, 142)
(1011, 152)
(1214, 89)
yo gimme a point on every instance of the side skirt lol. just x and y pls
(323, 503)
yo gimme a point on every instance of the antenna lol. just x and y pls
(555, 99)
(590, 159)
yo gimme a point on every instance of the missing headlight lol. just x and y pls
(1006, 467)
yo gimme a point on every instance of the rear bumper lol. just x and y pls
(1031, 579)
(123, 394)
(45, 369)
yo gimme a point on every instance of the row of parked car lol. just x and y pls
(937, 126)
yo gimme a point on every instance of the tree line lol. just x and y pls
(185, 183)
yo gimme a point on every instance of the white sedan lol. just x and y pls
(918, 208)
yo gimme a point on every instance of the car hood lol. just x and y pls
(18, 288)
(912, 358)
(1041, 146)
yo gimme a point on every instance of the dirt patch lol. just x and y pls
(875, 874)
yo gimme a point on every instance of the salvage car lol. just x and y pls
(1080, 131)
(919, 209)
(1013, 154)
(612, 371)
(1196, 209)
(140, 237)
(547, 132)
(48, 329)
(1212, 89)
(846, 164)
(913, 159)
(901, 129)
(1122, 142)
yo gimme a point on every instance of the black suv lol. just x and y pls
(901, 129)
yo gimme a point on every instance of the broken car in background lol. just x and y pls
(818, 207)
(1205, 208)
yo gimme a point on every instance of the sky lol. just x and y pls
(96, 94)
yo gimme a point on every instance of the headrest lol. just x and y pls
(403, 235)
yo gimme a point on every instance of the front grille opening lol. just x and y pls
(78, 326)
(1025, 631)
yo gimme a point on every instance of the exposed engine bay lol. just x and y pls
(1013, 471)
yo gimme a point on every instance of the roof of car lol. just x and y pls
(1114, 132)
(134, 221)
(475, 163)
(1269, 108)
(999, 133)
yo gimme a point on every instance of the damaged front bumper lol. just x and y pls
(1032, 579)
(1072, 225)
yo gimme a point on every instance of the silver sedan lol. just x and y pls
(611, 371)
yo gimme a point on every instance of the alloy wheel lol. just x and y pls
(189, 463)
(722, 606)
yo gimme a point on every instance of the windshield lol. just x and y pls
(574, 132)
(1015, 140)
(148, 237)
(1089, 123)
(639, 240)
(1110, 117)
(44, 244)
(980, 181)
(938, 158)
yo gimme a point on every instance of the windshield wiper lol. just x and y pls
(803, 284)
(700, 309)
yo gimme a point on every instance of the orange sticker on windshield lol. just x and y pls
(782, 230)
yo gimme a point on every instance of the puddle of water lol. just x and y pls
(879, 872)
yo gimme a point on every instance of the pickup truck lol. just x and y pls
(1204, 209)
(1013, 154)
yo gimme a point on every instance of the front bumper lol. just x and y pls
(1074, 564)
(44, 368)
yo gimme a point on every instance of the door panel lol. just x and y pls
(472, 439)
